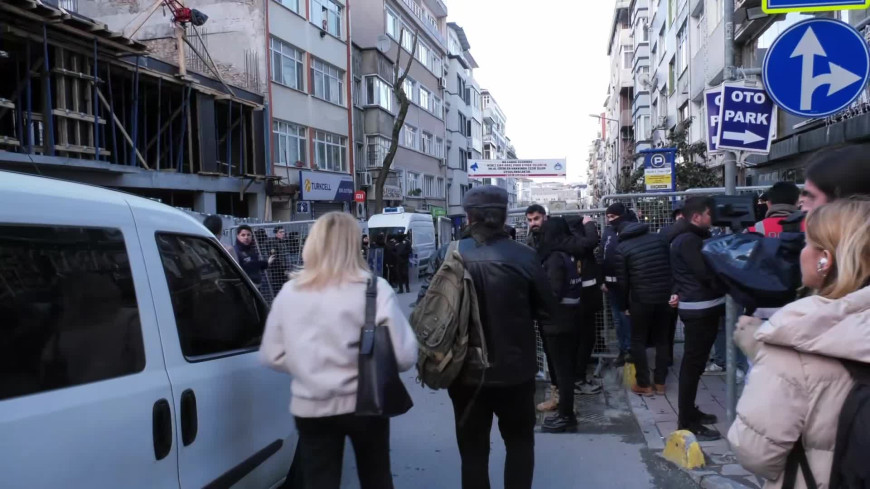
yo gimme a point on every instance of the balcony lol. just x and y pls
(625, 119)
(426, 21)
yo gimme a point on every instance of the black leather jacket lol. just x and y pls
(701, 293)
(512, 292)
(643, 265)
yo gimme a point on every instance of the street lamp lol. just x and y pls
(594, 116)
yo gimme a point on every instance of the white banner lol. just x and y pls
(517, 168)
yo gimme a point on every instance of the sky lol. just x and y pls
(546, 64)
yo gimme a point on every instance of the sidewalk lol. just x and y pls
(657, 417)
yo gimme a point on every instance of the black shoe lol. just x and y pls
(702, 433)
(705, 418)
(559, 423)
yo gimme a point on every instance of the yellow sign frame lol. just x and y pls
(822, 8)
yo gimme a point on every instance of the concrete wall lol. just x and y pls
(235, 34)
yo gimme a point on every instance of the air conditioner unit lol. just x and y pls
(367, 180)
(442, 82)
(442, 162)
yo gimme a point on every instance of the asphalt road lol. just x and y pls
(608, 451)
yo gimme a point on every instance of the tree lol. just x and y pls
(404, 103)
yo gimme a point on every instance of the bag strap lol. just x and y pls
(798, 458)
(371, 302)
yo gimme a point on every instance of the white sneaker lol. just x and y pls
(713, 369)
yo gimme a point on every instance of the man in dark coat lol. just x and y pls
(403, 263)
(249, 257)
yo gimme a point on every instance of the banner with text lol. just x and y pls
(660, 174)
(320, 186)
(517, 168)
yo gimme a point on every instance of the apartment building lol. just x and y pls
(464, 119)
(617, 119)
(312, 103)
(382, 29)
(496, 144)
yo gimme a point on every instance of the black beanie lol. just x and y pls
(616, 209)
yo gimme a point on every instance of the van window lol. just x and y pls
(216, 311)
(424, 235)
(68, 311)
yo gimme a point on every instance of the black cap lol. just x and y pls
(617, 209)
(678, 207)
(485, 197)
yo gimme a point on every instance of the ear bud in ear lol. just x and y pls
(823, 264)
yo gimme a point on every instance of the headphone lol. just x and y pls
(823, 263)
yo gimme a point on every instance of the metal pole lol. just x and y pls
(96, 107)
(730, 189)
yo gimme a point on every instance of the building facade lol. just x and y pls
(496, 144)
(381, 30)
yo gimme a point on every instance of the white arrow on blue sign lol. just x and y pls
(746, 118)
(817, 53)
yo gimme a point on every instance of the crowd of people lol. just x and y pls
(801, 356)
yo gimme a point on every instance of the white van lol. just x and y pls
(128, 348)
(419, 228)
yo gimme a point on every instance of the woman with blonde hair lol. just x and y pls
(313, 333)
(799, 381)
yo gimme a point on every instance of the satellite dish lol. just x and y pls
(384, 43)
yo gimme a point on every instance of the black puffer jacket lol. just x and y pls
(701, 294)
(643, 265)
(512, 292)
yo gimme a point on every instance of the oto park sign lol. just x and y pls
(659, 165)
(713, 101)
(785, 6)
(746, 119)
(817, 67)
(517, 168)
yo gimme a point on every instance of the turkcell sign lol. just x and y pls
(745, 119)
(817, 67)
(713, 100)
(659, 169)
(319, 186)
(784, 6)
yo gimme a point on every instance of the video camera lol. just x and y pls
(734, 211)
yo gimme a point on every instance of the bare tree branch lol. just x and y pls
(404, 103)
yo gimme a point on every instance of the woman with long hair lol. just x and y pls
(313, 333)
(799, 381)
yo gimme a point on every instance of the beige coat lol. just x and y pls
(798, 385)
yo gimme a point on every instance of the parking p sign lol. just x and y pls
(746, 118)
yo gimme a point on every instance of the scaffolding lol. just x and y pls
(74, 89)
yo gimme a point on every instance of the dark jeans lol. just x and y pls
(403, 278)
(621, 322)
(700, 336)
(672, 334)
(562, 348)
(515, 407)
(321, 450)
(585, 344)
(720, 351)
(650, 322)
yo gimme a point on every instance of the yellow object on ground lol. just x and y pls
(682, 448)
(629, 375)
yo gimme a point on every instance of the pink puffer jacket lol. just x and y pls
(798, 384)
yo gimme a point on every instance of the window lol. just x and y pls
(672, 77)
(627, 59)
(643, 128)
(377, 148)
(357, 89)
(435, 64)
(439, 148)
(644, 30)
(423, 53)
(410, 136)
(327, 15)
(414, 184)
(292, 5)
(439, 187)
(461, 88)
(70, 315)
(407, 40)
(426, 140)
(437, 107)
(379, 93)
(424, 99)
(662, 49)
(463, 122)
(672, 11)
(429, 189)
(468, 128)
(290, 143)
(394, 27)
(330, 151)
(215, 309)
(682, 51)
(328, 82)
(684, 112)
(463, 160)
(716, 12)
(287, 64)
(408, 87)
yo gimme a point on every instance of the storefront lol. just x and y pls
(322, 192)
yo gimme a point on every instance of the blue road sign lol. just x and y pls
(783, 6)
(746, 118)
(813, 54)
(713, 99)
(660, 173)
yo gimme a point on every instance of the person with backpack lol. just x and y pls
(560, 333)
(509, 292)
(313, 333)
(643, 268)
(803, 418)
(782, 202)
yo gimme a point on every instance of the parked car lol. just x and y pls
(128, 348)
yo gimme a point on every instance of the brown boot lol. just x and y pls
(552, 402)
(642, 391)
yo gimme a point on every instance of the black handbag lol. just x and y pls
(380, 391)
(797, 459)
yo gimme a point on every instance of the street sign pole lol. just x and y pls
(730, 189)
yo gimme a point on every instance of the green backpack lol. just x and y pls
(443, 320)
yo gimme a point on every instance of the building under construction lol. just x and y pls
(83, 103)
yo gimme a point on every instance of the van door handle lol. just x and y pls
(189, 422)
(161, 429)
